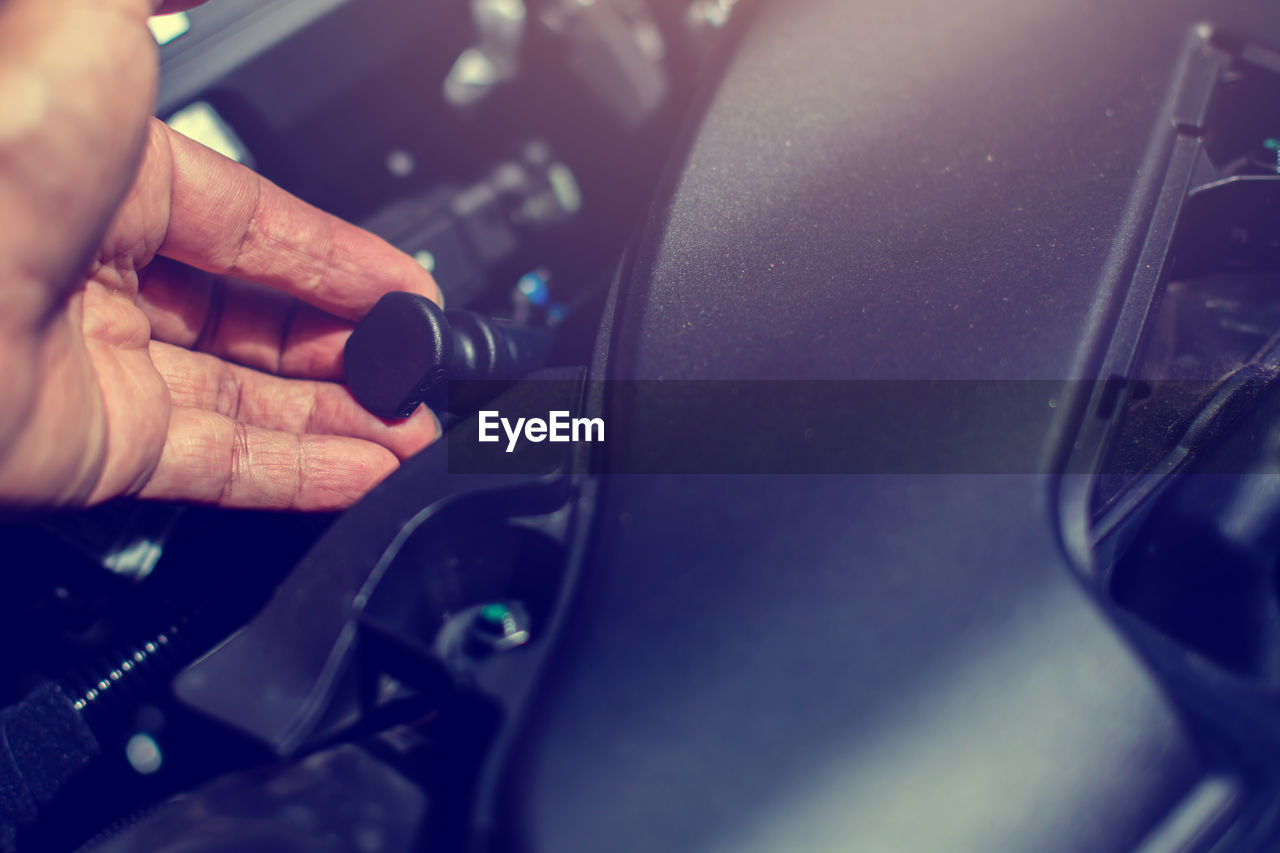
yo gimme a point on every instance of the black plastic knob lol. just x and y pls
(397, 354)
(406, 349)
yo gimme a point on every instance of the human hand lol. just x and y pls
(136, 358)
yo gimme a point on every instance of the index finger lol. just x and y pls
(228, 220)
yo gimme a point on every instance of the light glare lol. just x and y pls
(166, 28)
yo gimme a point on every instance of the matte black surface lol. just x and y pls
(895, 669)
(885, 189)
(342, 799)
(287, 677)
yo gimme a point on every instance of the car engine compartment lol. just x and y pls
(509, 148)
(987, 560)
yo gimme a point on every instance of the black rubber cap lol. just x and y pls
(397, 354)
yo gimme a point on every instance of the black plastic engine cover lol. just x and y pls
(890, 189)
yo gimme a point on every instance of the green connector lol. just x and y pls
(495, 613)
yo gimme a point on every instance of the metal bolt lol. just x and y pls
(498, 627)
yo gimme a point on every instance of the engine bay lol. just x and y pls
(508, 147)
(928, 496)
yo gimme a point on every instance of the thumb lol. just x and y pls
(77, 81)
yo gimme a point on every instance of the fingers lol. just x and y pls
(220, 218)
(245, 323)
(296, 406)
(226, 219)
(211, 458)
